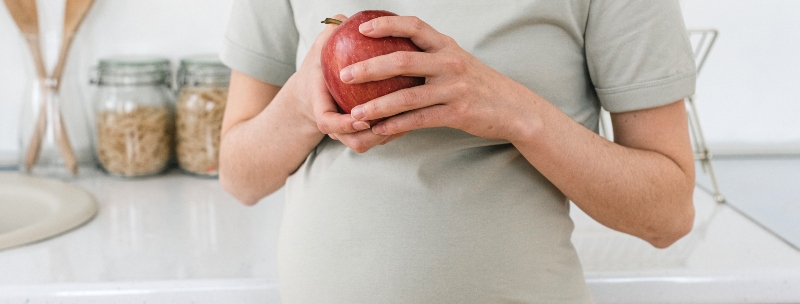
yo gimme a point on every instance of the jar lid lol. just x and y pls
(133, 70)
(203, 69)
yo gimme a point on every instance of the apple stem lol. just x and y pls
(332, 21)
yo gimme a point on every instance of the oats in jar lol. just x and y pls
(135, 142)
(199, 122)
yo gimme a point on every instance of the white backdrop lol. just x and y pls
(747, 94)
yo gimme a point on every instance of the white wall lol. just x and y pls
(747, 93)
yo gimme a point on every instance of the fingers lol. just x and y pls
(364, 141)
(416, 64)
(328, 118)
(361, 141)
(326, 114)
(430, 117)
(422, 34)
(419, 102)
(393, 137)
(331, 122)
(405, 100)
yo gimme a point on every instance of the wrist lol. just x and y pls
(528, 123)
(297, 108)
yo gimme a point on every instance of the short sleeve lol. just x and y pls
(638, 54)
(261, 40)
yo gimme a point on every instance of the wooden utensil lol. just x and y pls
(24, 14)
(74, 13)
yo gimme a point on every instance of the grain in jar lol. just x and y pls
(133, 114)
(203, 82)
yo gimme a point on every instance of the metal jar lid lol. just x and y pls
(133, 70)
(205, 69)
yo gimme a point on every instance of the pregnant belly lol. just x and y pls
(403, 249)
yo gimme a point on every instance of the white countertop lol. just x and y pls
(153, 239)
(178, 238)
(727, 258)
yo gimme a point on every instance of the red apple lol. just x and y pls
(347, 46)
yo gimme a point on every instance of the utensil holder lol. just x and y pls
(47, 111)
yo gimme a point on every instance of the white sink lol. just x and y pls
(33, 209)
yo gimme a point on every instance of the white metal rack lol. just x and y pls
(702, 41)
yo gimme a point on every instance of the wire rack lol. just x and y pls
(703, 41)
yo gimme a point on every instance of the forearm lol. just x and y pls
(258, 155)
(641, 185)
(628, 188)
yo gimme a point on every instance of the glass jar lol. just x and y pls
(133, 115)
(54, 136)
(203, 84)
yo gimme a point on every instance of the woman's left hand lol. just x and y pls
(460, 91)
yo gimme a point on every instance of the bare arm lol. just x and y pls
(268, 131)
(265, 137)
(642, 184)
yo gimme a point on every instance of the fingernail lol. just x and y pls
(366, 27)
(360, 125)
(346, 75)
(380, 129)
(357, 113)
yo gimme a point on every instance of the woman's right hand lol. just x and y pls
(309, 89)
(268, 130)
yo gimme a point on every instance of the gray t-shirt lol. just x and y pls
(439, 215)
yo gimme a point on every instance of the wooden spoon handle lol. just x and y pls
(58, 71)
(64, 146)
(62, 139)
(36, 53)
(35, 145)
